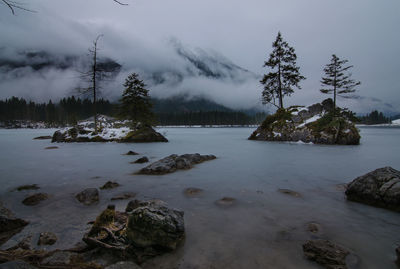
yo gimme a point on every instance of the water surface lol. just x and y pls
(263, 229)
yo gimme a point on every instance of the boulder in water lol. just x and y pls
(174, 162)
(380, 188)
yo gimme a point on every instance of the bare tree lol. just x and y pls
(93, 76)
(13, 5)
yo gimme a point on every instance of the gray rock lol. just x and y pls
(47, 238)
(58, 258)
(88, 196)
(153, 224)
(9, 224)
(16, 265)
(326, 253)
(35, 199)
(174, 162)
(380, 188)
(123, 265)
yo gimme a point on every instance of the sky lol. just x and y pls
(138, 36)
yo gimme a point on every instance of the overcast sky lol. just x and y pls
(366, 32)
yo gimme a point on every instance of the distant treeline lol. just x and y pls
(66, 111)
(70, 110)
(374, 117)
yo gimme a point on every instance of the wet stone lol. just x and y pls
(109, 185)
(35, 199)
(88, 196)
(193, 192)
(131, 153)
(226, 201)
(47, 238)
(52, 147)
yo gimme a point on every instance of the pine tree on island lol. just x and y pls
(135, 102)
(338, 79)
(285, 73)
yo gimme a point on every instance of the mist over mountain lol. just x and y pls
(187, 75)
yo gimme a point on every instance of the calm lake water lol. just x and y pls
(263, 229)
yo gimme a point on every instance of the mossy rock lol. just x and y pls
(144, 134)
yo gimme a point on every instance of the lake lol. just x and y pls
(264, 228)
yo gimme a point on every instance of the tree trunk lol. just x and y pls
(280, 86)
(94, 86)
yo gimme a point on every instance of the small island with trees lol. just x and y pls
(322, 123)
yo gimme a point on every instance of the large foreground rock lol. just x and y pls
(9, 225)
(315, 124)
(326, 253)
(153, 224)
(146, 229)
(174, 162)
(380, 188)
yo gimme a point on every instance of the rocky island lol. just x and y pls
(111, 130)
(318, 124)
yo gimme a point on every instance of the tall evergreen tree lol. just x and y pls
(285, 73)
(338, 79)
(135, 103)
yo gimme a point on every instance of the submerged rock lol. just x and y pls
(131, 153)
(142, 160)
(27, 187)
(44, 137)
(289, 192)
(9, 225)
(193, 192)
(88, 196)
(226, 202)
(123, 196)
(316, 124)
(35, 199)
(380, 188)
(109, 185)
(52, 147)
(326, 253)
(174, 162)
(47, 238)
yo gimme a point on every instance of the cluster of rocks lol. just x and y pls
(175, 162)
(315, 124)
(146, 229)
